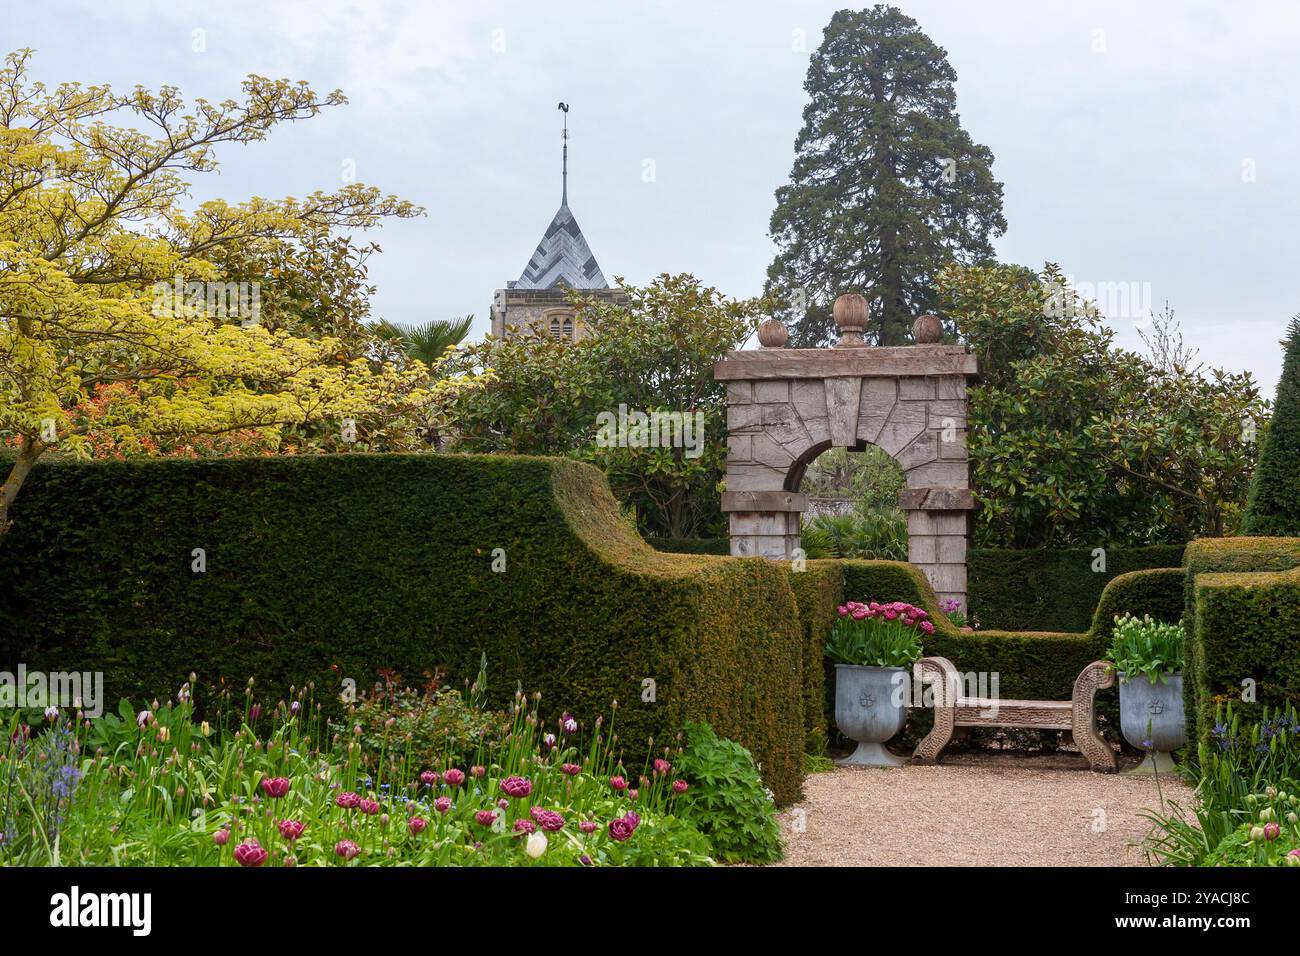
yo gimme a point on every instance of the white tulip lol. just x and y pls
(536, 845)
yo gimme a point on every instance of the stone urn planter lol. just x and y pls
(1152, 720)
(870, 708)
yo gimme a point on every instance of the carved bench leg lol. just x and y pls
(939, 672)
(1093, 678)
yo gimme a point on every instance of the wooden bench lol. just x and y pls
(1076, 715)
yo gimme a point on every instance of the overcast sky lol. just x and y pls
(1155, 144)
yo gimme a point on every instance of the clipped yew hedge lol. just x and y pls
(333, 567)
(1048, 589)
(1243, 622)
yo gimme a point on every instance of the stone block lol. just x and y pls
(777, 546)
(819, 430)
(809, 399)
(946, 577)
(939, 474)
(843, 398)
(740, 393)
(922, 523)
(906, 422)
(744, 418)
(754, 477)
(878, 398)
(783, 425)
(948, 522)
(951, 549)
(769, 453)
(767, 393)
(922, 549)
(947, 414)
(740, 448)
(950, 386)
(915, 388)
(922, 451)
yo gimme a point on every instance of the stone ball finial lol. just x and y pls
(850, 312)
(927, 330)
(772, 334)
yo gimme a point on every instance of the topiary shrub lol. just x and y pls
(334, 568)
(1051, 589)
(1273, 506)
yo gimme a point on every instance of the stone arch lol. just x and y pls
(786, 406)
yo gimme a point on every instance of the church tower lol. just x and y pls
(537, 301)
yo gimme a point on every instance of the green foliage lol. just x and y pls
(328, 568)
(690, 545)
(171, 792)
(1274, 504)
(427, 343)
(1242, 615)
(877, 636)
(655, 353)
(818, 590)
(431, 726)
(726, 800)
(1057, 589)
(1245, 768)
(886, 185)
(866, 533)
(870, 477)
(1074, 442)
(1145, 646)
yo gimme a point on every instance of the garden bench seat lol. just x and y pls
(1076, 715)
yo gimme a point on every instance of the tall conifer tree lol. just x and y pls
(886, 186)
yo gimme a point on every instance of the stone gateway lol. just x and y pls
(787, 406)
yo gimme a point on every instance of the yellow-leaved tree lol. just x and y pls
(106, 282)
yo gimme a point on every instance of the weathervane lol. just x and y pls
(564, 194)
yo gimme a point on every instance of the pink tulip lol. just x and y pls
(221, 837)
(679, 786)
(347, 849)
(485, 817)
(454, 777)
(618, 783)
(275, 787)
(291, 829)
(348, 800)
(417, 825)
(442, 804)
(250, 853)
(368, 806)
(571, 769)
(428, 778)
(517, 786)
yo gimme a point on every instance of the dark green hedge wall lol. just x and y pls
(690, 545)
(1242, 617)
(1048, 589)
(323, 568)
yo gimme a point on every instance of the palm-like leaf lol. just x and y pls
(429, 342)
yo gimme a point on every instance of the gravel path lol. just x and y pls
(974, 810)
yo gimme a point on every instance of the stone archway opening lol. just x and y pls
(787, 406)
(851, 503)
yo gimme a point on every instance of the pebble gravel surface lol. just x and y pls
(975, 810)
